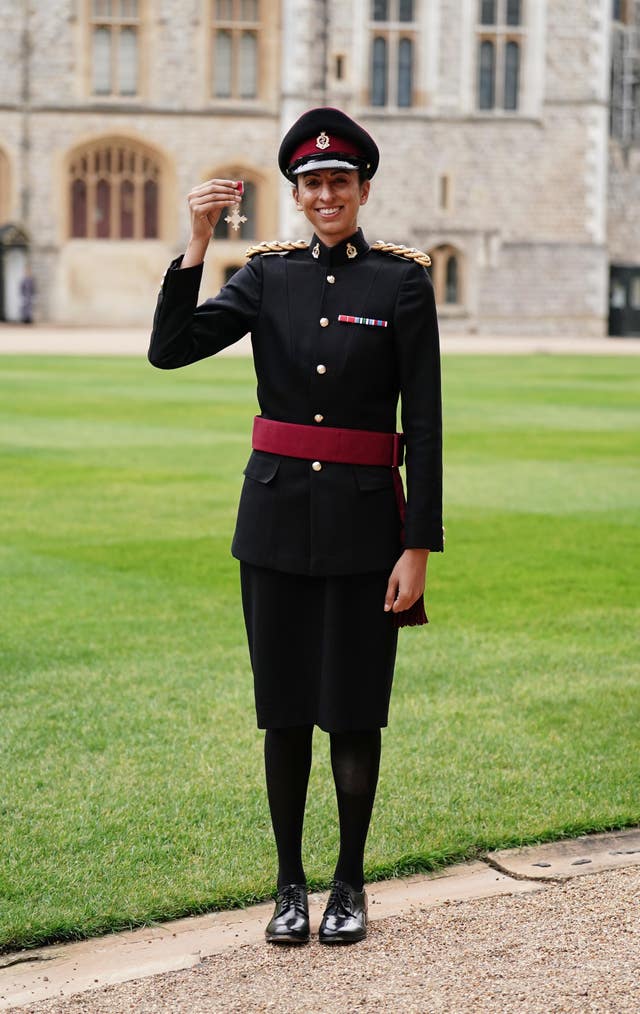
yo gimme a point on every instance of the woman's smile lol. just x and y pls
(330, 213)
(331, 199)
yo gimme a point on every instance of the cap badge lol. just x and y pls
(322, 141)
(316, 251)
(351, 251)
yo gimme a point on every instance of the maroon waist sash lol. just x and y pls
(327, 443)
(342, 446)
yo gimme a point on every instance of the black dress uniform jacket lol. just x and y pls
(318, 371)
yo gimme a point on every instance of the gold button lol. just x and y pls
(320, 368)
(318, 417)
(316, 466)
(331, 279)
(324, 322)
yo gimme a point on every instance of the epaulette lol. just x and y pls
(286, 246)
(278, 246)
(409, 252)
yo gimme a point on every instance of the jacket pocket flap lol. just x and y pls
(262, 467)
(370, 477)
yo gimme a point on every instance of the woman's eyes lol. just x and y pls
(340, 181)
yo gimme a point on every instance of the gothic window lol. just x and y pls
(115, 44)
(451, 280)
(4, 187)
(624, 97)
(500, 36)
(248, 208)
(405, 72)
(446, 275)
(114, 192)
(487, 74)
(511, 74)
(379, 72)
(392, 52)
(235, 55)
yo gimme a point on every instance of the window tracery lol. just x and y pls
(114, 187)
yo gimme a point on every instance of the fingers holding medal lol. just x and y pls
(208, 200)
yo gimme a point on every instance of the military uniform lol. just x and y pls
(319, 519)
(338, 334)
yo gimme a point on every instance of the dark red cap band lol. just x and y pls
(335, 144)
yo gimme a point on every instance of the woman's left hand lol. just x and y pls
(407, 580)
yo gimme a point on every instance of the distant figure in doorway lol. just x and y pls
(27, 296)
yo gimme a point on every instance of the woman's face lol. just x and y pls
(330, 199)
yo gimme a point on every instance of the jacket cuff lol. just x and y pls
(181, 279)
(431, 538)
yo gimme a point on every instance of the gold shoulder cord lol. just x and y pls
(409, 252)
(286, 246)
(283, 246)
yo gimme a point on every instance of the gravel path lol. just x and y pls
(573, 947)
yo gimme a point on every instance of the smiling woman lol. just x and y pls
(332, 559)
(331, 199)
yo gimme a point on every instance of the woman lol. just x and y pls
(330, 564)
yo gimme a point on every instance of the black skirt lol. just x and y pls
(322, 648)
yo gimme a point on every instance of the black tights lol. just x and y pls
(355, 761)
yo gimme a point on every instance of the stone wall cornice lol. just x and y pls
(138, 110)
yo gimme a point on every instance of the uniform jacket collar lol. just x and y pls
(348, 251)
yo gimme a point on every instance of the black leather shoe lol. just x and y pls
(289, 923)
(345, 917)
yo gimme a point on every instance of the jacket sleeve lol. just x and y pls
(416, 331)
(184, 332)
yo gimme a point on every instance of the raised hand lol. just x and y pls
(206, 203)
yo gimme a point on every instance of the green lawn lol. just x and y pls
(131, 785)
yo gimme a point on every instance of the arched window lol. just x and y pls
(379, 72)
(248, 209)
(451, 280)
(486, 75)
(393, 47)
(4, 187)
(446, 275)
(405, 72)
(511, 75)
(114, 191)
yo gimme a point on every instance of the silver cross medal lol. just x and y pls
(235, 219)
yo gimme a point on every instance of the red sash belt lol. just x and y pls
(342, 446)
(327, 443)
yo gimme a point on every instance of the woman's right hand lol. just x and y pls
(206, 204)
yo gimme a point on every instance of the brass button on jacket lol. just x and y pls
(321, 368)
(318, 417)
(316, 466)
(331, 279)
(324, 322)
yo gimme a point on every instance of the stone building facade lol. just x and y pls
(501, 153)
